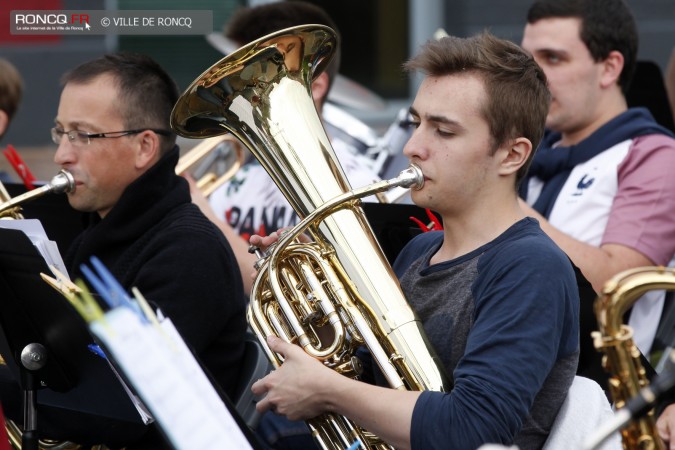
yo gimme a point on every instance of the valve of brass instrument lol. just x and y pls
(262, 255)
(351, 368)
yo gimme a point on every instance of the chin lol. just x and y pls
(419, 199)
(78, 205)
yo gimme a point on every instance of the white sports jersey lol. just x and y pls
(252, 204)
(582, 207)
(624, 196)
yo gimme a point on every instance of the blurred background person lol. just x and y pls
(600, 183)
(11, 90)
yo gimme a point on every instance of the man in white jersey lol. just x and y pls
(601, 183)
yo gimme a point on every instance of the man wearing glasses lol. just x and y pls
(112, 132)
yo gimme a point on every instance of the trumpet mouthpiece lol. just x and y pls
(412, 177)
(62, 182)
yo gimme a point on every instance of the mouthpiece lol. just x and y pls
(412, 177)
(62, 182)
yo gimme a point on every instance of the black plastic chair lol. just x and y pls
(255, 366)
(649, 90)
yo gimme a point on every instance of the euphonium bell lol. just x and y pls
(338, 293)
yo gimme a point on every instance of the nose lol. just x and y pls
(65, 152)
(414, 148)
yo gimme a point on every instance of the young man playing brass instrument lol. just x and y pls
(497, 297)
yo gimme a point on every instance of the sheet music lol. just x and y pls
(170, 381)
(36, 233)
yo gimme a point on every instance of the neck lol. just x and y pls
(605, 111)
(466, 232)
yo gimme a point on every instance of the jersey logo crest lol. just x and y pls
(584, 183)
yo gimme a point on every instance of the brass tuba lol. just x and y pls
(338, 293)
(621, 356)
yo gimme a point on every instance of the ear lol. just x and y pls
(612, 67)
(320, 88)
(514, 156)
(148, 150)
(4, 122)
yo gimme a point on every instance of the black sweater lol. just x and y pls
(155, 239)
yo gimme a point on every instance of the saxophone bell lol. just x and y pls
(621, 359)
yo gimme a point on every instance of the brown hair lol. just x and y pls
(517, 98)
(11, 88)
(251, 23)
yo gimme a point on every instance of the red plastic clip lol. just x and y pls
(434, 225)
(20, 167)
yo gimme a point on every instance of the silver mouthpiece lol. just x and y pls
(62, 182)
(412, 177)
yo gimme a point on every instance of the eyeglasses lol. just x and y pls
(77, 137)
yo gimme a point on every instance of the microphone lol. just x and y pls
(662, 386)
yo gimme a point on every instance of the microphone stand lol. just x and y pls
(33, 358)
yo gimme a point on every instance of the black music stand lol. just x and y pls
(45, 342)
(392, 225)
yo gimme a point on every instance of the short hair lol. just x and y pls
(517, 99)
(11, 88)
(250, 23)
(147, 93)
(606, 25)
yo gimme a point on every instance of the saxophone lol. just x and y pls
(339, 292)
(621, 356)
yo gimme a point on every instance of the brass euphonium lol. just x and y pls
(621, 356)
(341, 282)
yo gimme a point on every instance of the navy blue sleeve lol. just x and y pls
(525, 318)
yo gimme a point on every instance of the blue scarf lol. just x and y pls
(554, 165)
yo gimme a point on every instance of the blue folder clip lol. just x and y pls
(109, 288)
